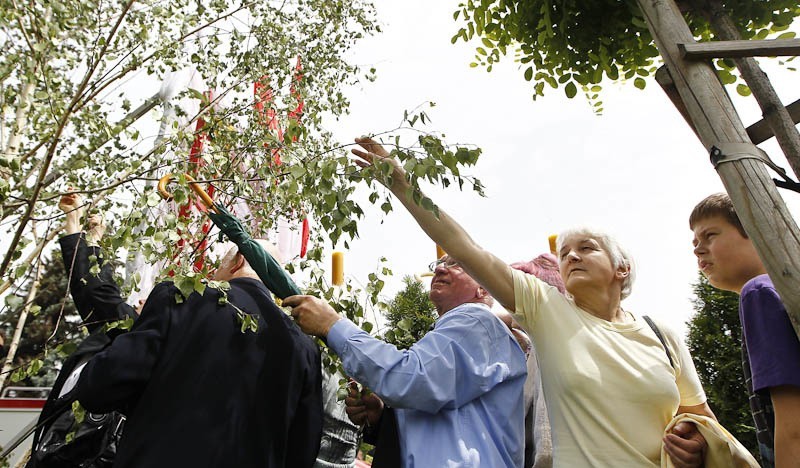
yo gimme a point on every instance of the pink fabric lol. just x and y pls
(544, 267)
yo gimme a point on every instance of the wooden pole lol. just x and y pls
(775, 113)
(761, 209)
(758, 132)
(668, 86)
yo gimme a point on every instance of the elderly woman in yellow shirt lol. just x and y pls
(611, 384)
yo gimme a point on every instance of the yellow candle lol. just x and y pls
(552, 240)
(337, 268)
(440, 252)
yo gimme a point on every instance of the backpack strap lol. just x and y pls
(660, 338)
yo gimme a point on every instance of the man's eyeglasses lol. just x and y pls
(447, 263)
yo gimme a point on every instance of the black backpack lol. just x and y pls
(93, 442)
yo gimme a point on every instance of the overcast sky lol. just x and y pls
(636, 171)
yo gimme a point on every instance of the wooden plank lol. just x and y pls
(745, 48)
(772, 107)
(760, 207)
(760, 132)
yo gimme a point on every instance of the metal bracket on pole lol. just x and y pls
(730, 151)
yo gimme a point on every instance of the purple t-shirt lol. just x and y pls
(771, 341)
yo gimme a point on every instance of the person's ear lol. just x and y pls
(238, 263)
(623, 271)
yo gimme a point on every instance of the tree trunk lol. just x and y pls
(35, 253)
(774, 111)
(23, 316)
(761, 209)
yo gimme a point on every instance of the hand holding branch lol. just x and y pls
(313, 315)
(96, 227)
(72, 205)
(363, 407)
(373, 154)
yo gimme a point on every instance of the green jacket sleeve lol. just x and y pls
(268, 269)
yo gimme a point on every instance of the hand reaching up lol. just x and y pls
(72, 205)
(95, 229)
(372, 154)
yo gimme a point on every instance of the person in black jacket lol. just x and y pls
(200, 392)
(98, 301)
(97, 297)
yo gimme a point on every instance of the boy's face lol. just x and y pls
(724, 256)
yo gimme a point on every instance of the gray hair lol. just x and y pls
(619, 256)
(265, 244)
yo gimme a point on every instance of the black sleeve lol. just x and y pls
(115, 378)
(305, 431)
(386, 441)
(371, 433)
(97, 297)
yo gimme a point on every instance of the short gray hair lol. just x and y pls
(271, 248)
(619, 256)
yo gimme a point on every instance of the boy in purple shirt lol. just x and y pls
(770, 347)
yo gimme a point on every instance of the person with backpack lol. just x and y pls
(199, 389)
(98, 300)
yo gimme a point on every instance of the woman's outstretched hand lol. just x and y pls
(372, 153)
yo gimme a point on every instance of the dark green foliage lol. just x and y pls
(52, 310)
(410, 315)
(716, 346)
(576, 44)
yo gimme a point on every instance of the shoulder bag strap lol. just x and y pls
(660, 338)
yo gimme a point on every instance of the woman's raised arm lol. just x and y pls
(488, 270)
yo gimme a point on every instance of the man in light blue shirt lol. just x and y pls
(457, 393)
